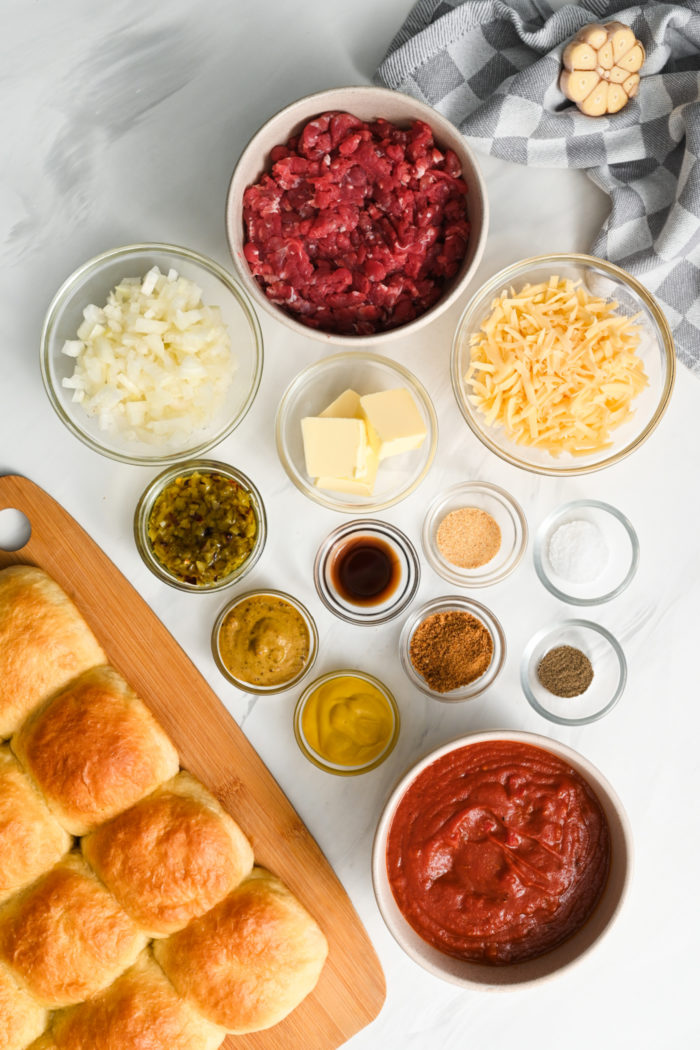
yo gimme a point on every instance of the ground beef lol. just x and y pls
(358, 226)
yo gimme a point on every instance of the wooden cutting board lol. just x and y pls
(351, 989)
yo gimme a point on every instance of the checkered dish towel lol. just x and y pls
(493, 68)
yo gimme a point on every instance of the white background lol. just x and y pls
(122, 123)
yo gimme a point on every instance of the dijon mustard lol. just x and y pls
(264, 640)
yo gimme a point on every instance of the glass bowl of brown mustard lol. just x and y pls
(200, 526)
(452, 648)
(474, 534)
(264, 641)
(573, 673)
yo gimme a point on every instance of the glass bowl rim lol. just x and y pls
(552, 630)
(316, 759)
(375, 527)
(65, 292)
(150, 494)
(545, 528)
(318, 495)
(463, 577)
(513, 270)
(482, 613)
(249, 687)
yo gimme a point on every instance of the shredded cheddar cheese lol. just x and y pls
(556, 367)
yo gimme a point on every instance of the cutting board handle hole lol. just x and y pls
(15, 529)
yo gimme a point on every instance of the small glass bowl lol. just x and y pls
(620, 538)
(250, 687)
(609, 673)
(656, 351)
(506, 512)
(317, 759)
(143, 513)
(314, 388)
(408, 572)
(449, 604)
(91, 283)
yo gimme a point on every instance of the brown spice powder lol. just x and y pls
(468, 537)
(565, 671)
(450, 649)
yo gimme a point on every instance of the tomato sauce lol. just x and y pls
(498, 852)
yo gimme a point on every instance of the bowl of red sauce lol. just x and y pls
(500, 859)
(356, 214)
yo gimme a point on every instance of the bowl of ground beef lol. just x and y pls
(356, 215)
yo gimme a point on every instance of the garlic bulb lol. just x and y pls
(601, 68)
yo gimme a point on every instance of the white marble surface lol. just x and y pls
(122, 123)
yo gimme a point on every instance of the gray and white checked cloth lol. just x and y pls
(493, 67)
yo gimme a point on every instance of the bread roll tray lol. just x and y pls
(351, 989)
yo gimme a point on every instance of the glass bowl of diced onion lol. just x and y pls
(562, 364)
(151, 353)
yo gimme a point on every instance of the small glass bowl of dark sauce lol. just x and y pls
(366, 571)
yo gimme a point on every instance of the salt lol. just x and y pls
(577, 551)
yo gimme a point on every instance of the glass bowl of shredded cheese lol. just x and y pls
(562, 364)
(151, 353)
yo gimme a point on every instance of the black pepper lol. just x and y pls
(565, 671)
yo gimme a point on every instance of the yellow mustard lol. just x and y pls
(347, 721)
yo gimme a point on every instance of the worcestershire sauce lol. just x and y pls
(365, 571)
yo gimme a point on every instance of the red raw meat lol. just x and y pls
(358, 226)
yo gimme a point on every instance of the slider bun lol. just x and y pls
(94, 749)
(170, 857)
(21, 1017)
(65, 937)
(140, 1011)
(44, 642)
(250, 960)
(30, 839)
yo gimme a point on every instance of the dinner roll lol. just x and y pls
(30, 839)
(94, 749)
(170, 857)
(21, 1017)
(140, 1011)
(44, 642)
(250, 960)
(65, 936)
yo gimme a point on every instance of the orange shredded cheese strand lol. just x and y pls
(556, 367)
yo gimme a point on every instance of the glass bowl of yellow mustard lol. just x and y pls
(346, 722)
(264, 641)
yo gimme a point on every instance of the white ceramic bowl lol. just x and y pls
(368, 103)
(91, 283)
(469, 974)
(656, 351)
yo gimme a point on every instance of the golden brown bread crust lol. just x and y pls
(94, 749)
(44, 643)
(65, 937)
(170, 857)
(21, 1017)
(250, 960)
(30, 839)
(140, 1011)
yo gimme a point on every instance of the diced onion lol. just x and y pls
(155, 363)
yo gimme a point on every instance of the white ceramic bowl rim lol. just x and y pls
(601, 787)
(306, 108)
(503, 278)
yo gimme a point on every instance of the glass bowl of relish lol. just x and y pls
(200, 526)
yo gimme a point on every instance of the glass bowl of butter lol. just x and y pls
(356, 432)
